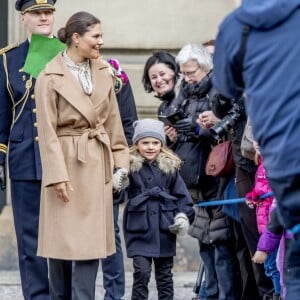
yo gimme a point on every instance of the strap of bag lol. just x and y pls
(238, 63)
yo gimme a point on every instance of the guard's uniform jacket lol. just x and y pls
(18, 126)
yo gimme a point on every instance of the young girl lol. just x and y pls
(158, 207)
(263, 210)
(273, 236)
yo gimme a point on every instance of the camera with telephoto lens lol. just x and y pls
(232, 117)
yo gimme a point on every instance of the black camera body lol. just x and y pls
(232, 117)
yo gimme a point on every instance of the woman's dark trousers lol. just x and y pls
(78, 278)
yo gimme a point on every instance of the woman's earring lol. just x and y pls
(76, 45)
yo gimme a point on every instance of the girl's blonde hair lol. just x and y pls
(257, 158)
(163, 149)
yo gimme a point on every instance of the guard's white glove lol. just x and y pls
(120, 179)
(181, 224)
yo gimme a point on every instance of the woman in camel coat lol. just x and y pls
(81, 142)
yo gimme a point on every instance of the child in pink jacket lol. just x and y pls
(258, 199)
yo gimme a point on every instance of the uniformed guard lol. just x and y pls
(18, 129)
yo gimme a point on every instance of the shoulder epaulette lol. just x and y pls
(3, 148)
(8, 48)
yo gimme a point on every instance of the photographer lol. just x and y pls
(233, 120)
(193, 144)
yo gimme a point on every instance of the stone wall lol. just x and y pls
(134, 28)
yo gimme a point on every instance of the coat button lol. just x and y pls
(150, 178)
(33, 97)
(36, 138)
(34, 110)
(35, 124)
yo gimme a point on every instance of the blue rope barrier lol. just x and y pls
(295, 229)
(230, 201)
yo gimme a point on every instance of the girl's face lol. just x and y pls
(89, 44)
(149, 148)
(38, 22)
(161, 78)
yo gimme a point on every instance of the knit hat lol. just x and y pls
(148, 128)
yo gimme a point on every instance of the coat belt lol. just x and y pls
(85, 134)
(144, 194)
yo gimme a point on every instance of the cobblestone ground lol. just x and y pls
(10, 288)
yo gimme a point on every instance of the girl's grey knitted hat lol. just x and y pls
(148, 128)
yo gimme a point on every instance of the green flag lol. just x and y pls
(41, 50)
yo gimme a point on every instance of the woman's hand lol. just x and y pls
(207, 119)
(62, 190)
(171, 133)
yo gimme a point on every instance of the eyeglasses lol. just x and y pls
(191, 73)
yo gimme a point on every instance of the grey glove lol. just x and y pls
(120, 179)
(185, 125)
(2, 178)
(181, 224)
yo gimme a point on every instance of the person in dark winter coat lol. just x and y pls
(211, 226)
(269, 76)
(19, 146)
(255, 284)
(158, 207)
(161, 74)
(193, 142)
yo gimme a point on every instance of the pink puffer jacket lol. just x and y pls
(261, 187)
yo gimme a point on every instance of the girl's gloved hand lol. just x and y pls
(181, 224)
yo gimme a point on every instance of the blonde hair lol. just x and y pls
(163, 149)
(257, 158)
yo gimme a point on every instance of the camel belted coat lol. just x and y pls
(81, 140)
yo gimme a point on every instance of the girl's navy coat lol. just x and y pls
(155, 195)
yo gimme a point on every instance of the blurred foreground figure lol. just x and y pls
(256, 51)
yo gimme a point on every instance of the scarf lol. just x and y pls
(197, 90)
(168, 96)
(82, 72)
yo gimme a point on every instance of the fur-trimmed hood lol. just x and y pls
(166, 163)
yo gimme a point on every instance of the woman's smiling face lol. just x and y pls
(90, 42)
(161, 78)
